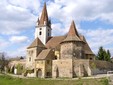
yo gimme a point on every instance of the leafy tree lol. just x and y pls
(19, 68)
(103, 54)
(108, 55)
(21, 57)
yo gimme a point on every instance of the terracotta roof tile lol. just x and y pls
(54, 42)
(73, 30)
(44, 54)
(72, 34)
(82, 38)
(35, 43)
(86, 46)
(87, 49)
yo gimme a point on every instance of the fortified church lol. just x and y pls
(59, 56)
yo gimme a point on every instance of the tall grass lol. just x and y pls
(7, 80)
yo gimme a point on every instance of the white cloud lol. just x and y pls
(19, 39)
(19, 52)
(107, 17)
(60, 30)
(15, 18)
(19, 15)
(111, 51)
(99, 37)
(32, 5)
(81, 9)
(84, 10)
(3, 44)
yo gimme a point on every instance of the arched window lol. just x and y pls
(40, 33)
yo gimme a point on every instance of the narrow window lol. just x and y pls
(48, 34)
(90, 58)
(48, 74)
(29, 59)
(48, 61)
(40, 28)
(40, 33)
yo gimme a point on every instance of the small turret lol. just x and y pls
(72, 34)
(71, 46)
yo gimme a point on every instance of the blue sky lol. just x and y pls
(93, 19)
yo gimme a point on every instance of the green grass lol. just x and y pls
(7, 80)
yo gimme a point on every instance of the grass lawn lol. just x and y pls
(7, 80)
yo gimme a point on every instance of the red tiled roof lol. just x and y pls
(72, 34)
(73, 30)
(87, 49)
(44, 54)
(54, 42)
(35, 43)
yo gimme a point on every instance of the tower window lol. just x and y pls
(40, 28)
(29, 59)
(40, 33)
(48, 34)
(48, 61)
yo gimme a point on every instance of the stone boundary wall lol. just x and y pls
(85, 67)
(16, 62)
(100, 67)
(62, 68)
(79, 67)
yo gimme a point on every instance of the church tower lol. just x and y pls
(43, 26)
(72, 45)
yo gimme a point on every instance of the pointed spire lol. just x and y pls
(38, 21)
(44, 16)
(73, 30)
(72, 34)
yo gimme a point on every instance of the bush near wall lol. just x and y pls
(20, 69)
(28, 71)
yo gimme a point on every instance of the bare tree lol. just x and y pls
(2, 61)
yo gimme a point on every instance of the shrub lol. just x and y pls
(93, 65)
(28, 71)
(20, 69)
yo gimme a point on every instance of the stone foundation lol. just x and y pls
(79, 68)
(100, 67)
(62, 68)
